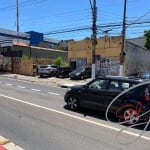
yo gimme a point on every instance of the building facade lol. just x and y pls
(30, 44)
(78, 53)
(108, 49)
(107, 54)
(13, 44)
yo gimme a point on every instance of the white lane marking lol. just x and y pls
(8, 84)
(35, 90)
(76, 117)
(22, 87)
(1, 82)
(53, 93)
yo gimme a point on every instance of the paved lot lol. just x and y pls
(51, 81)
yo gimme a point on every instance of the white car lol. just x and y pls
(47, 70)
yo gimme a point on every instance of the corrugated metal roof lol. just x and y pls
(14, 33)
(140, 41)
(51, 40)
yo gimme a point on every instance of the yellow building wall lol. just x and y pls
(80, 54)
(106, 47)
(27, 66)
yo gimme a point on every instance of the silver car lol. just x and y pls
(47, 70)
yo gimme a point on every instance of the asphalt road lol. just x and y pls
(34, 117)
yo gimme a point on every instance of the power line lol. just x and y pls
(68, 30)
(23, 4)
(99, 27)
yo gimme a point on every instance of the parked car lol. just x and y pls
(63, 72)
(98, 93)
(47, 70)
(144, 75)
(81, 73)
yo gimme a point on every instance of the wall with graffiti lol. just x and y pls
(5, 63)
(107, 66)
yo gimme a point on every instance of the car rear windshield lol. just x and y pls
(44, 66)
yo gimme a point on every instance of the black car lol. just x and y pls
(81, 73)
(98, 93)
(63, 72)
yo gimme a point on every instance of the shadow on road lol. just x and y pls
(101, 115)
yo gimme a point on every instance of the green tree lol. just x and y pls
(60, 62)
(87, 38)
(147, 36)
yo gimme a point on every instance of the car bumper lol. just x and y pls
(75, 77)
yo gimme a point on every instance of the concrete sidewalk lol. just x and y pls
(6, 144)
(51, 81)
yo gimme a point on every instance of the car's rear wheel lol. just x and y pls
(72, 103)
(41, 76)
(130, 116)
(52, 74)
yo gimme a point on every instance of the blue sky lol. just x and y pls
(53, 16)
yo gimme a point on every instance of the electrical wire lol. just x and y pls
(22, 4)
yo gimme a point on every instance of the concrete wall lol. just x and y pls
(40, 53)
(107, 66)
(137, 59)
(5, 63)
(34, 52)
(20, 61)
(21, 65)
(27, 66)
(106, 47)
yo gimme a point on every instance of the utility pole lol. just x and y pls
(17, 15)
(93, 37)
(122, 54)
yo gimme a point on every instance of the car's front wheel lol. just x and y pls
(129, 116)
(72, 103)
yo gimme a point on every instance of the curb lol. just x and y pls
(3, 140)
(53, 82)
(6, 144)
(66, 85)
